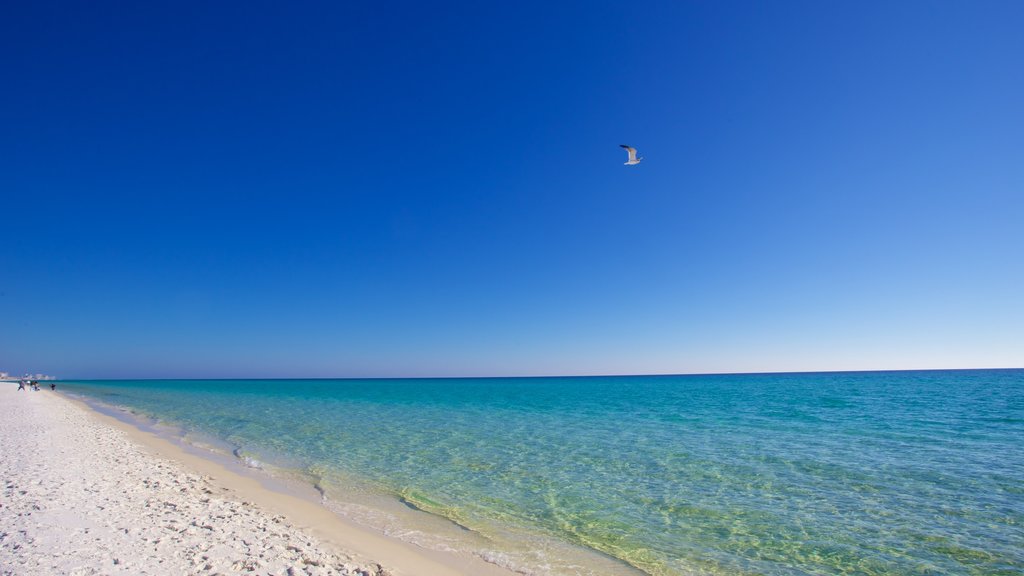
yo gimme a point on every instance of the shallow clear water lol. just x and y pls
(828, 473)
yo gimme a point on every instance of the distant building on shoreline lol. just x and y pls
(8, 376)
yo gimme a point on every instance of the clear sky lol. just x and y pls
(239, 189)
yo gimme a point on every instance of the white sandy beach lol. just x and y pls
(85, 494)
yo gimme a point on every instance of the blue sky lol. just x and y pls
(413, 189)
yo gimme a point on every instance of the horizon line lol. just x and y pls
(543, 376)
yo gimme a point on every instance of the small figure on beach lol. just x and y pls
(35, 386)
(53, 386)
(21, 385)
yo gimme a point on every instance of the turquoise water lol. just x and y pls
(826, 473)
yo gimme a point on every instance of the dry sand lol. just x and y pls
(85, 494)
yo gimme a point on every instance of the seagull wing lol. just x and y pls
(631, 150)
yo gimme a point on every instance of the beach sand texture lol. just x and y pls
(81, 497)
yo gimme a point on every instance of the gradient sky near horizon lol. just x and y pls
(246, 189)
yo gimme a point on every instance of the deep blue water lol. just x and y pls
(825, 473)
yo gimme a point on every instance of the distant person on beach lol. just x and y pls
(21, 385)
(53, 386)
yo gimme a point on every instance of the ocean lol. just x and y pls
(860, 473)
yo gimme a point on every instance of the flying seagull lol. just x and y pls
(633, 160)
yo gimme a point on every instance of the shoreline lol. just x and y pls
(300, 502)
(382, 515)
(333, 545)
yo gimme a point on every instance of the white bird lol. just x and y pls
(633, 160)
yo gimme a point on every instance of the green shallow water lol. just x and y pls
(831, 473)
